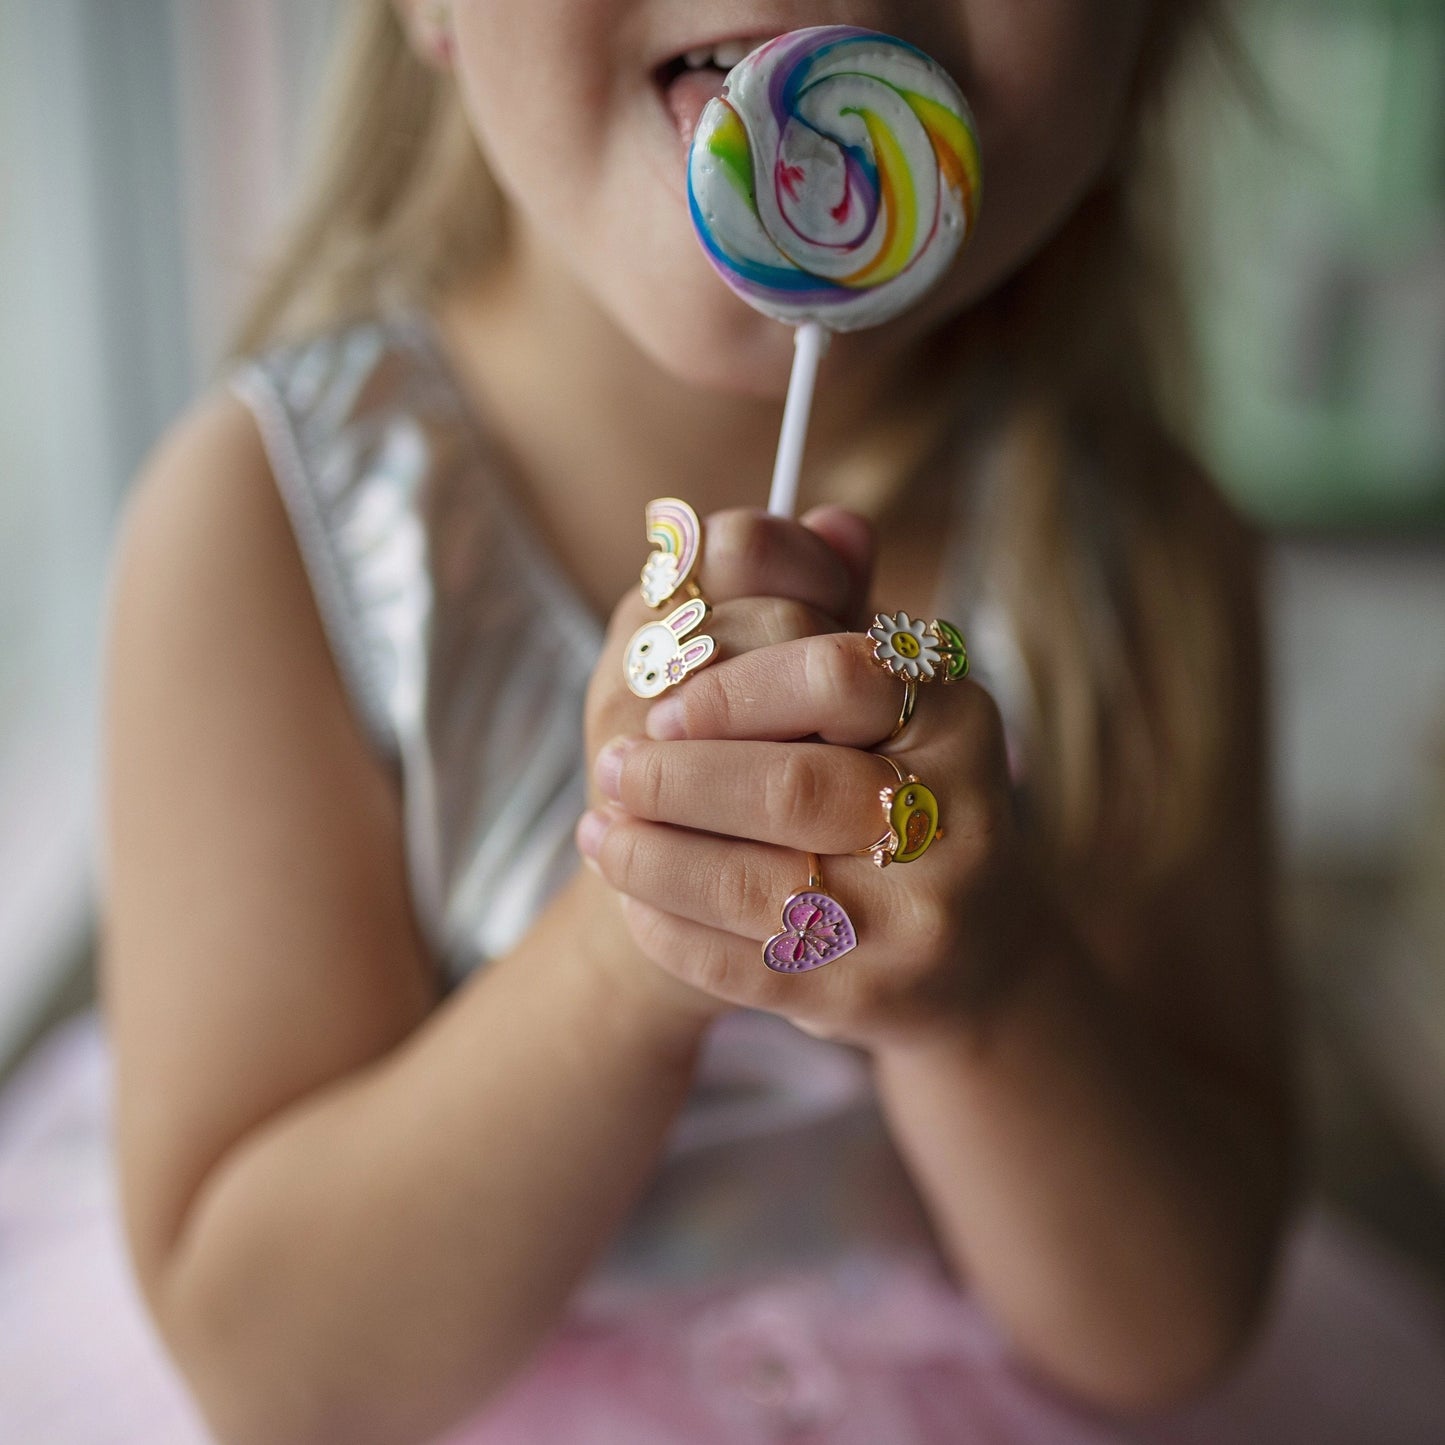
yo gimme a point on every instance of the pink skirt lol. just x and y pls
(870, 1350)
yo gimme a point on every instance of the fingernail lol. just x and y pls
(608, 769)
(591, 830)
(665, 720)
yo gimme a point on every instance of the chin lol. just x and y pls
(715, 344)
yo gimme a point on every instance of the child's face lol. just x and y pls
(587, 144)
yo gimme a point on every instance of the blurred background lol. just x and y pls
(146, 147)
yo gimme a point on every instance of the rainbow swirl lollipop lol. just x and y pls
(836, 177)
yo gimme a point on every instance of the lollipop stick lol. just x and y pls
(811, 341)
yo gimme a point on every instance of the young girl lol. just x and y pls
(422, 1124)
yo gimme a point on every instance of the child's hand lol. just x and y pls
(769, 581)
(716, 828)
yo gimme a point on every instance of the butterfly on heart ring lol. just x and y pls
(816, 930)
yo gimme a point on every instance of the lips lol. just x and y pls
(695, 76)
(687, 95)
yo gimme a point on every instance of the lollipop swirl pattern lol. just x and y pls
(836, 177)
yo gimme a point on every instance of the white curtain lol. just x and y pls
(145, 151)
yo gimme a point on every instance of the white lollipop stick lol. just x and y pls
(811, 343)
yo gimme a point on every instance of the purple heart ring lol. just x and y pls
(816, 929)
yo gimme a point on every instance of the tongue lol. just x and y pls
(688, 95)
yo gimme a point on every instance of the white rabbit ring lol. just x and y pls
(661, 654)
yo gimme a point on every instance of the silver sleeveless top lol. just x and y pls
(430, 583)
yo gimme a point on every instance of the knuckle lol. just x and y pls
(985, 728)
(619, 856)
(710, 710)
(644, 783)
(857, 665)
(782, 619)
(980, 819)
(739, 546)
(830, 670)
(707, 968)
(649, 926)
(707, 702)
(728, 889)
(794, 789)
(756, 544)
(746, 888)
(935, 924)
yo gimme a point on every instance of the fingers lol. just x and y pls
(720, 882)
(731, 630)
(824, 566)
(752, 622)
(723, 964)
(702, 908)
(830, 687)
(851, 537)
(748, 553)
(808, 796)
(827, 686)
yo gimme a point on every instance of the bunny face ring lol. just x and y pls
(661, 654)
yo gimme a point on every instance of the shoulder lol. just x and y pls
(205, 560)
(214, 636)
(216, 437)
(211, 580)
(202, 516)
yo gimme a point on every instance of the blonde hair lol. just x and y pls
(1119, 612)
(398, 203)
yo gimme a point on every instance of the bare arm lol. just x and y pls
(1109, 1155)
(352, 1212)
(374, 1261)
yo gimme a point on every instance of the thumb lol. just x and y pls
(851, 537)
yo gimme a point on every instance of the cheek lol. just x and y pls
(536, 111)
(1048, 82)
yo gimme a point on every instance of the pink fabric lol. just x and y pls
(871, 1348)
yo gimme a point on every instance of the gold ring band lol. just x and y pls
(910, 701)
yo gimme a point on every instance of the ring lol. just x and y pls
(910, 701)
(816, 928)
(910, 818)
(660, 654)
(919, 651)
(676, 534)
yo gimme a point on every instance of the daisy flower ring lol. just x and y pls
(915, 651)
(907, 648)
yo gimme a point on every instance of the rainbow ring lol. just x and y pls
(675, 532)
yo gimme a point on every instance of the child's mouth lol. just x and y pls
(689, 81)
